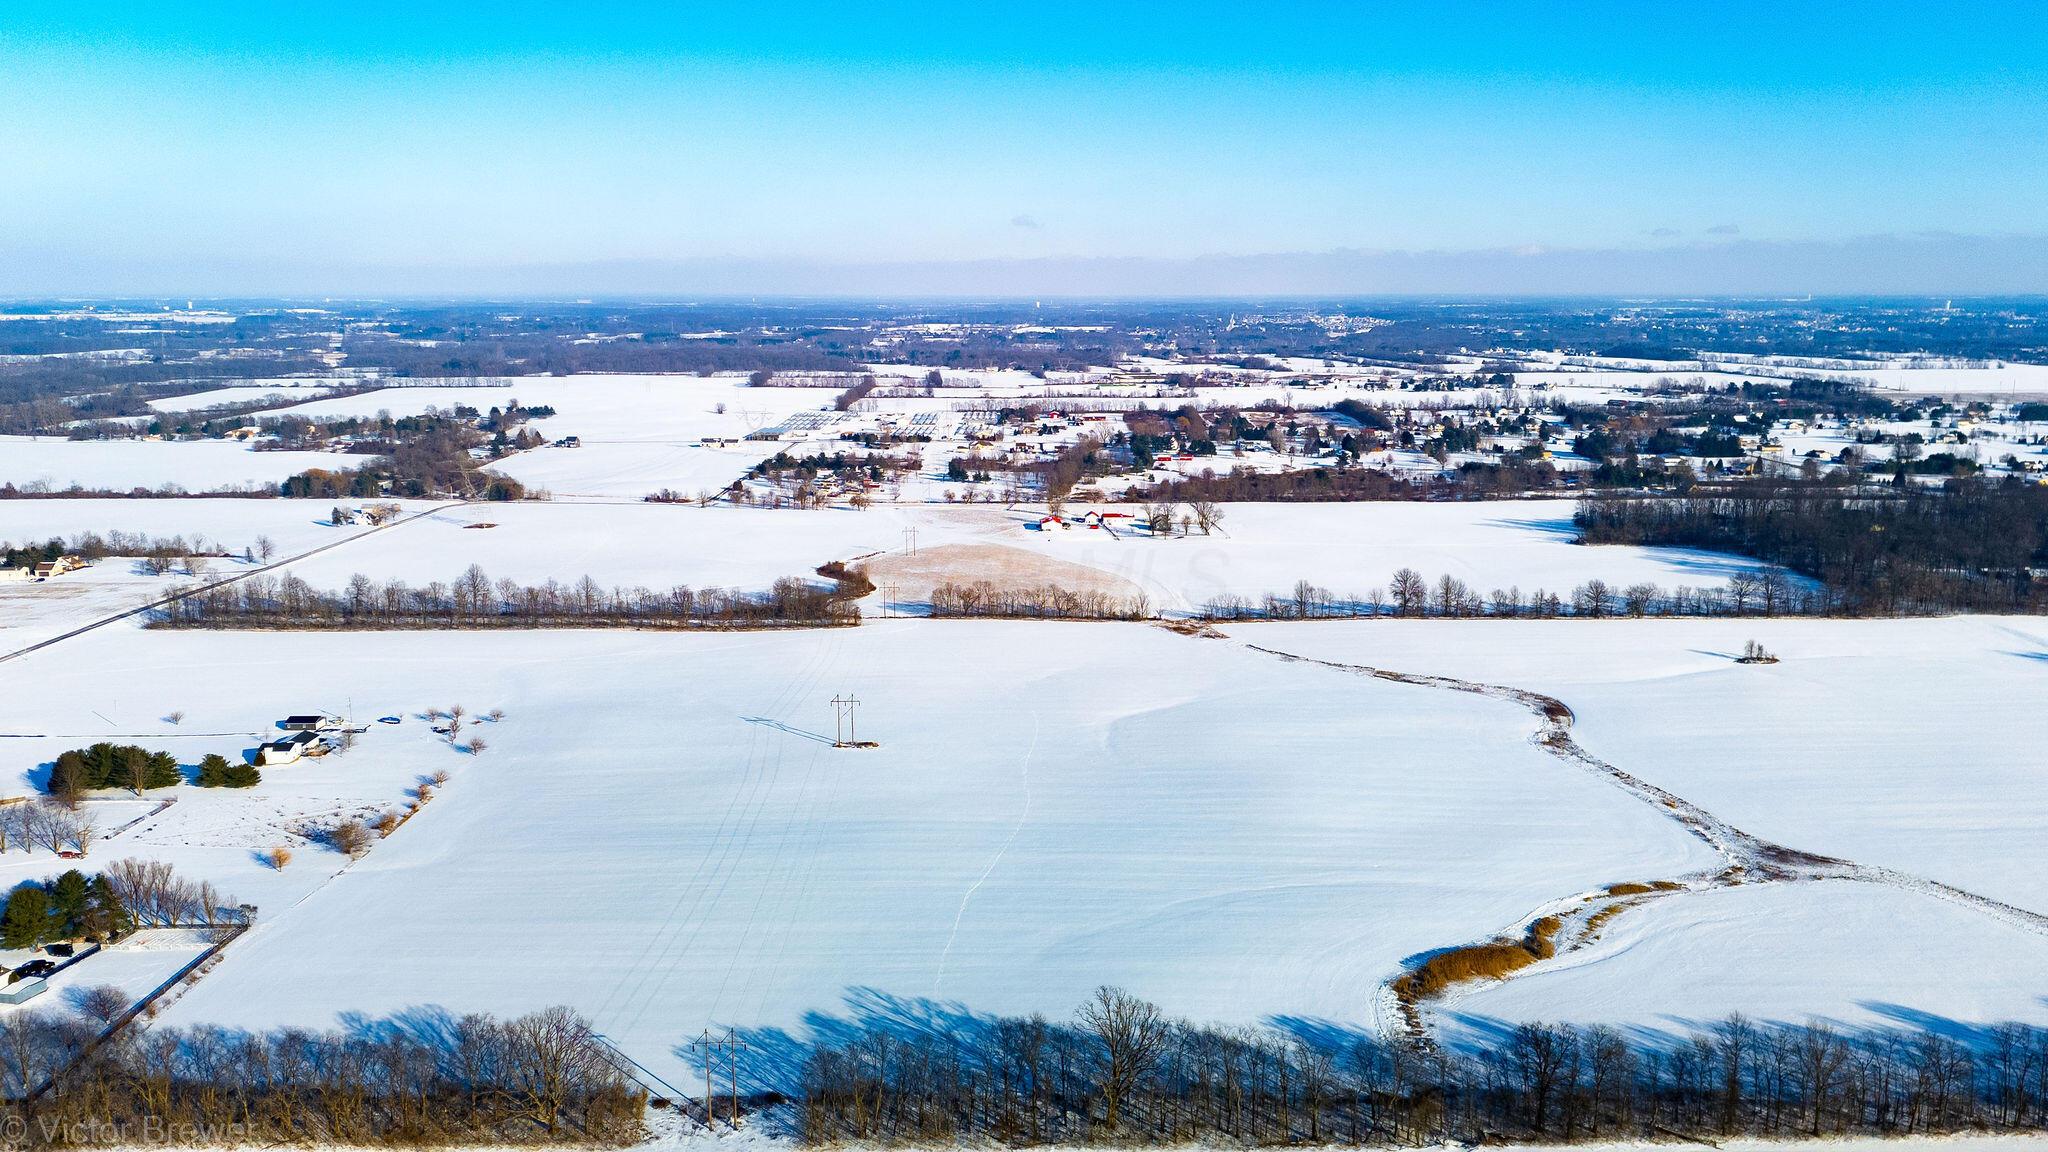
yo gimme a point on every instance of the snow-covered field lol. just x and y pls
(623, 545)
(198, 465)
(1910, 744)
(660, 834)
(283, 392)
(1350, 549)
(639, 433)
(1861, 955)
(293, 525)
(661, 824)
(34, 611)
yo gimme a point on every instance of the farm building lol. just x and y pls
(24, 991)
(288, 749)
(310, 722)
(58, 567)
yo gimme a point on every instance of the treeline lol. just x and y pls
(474, 600)
(93, 546)
(1042, 602)
(544, 1078)
(1123, 1071)
(43, 490)
(1332, 485)
(1971, 546)
(1771, 592)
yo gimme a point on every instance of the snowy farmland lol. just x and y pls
(660, 820)
(1131, 826)
(35, 611)
(1910, 744)
(660, 832)
(1351, 549)
(196, 465)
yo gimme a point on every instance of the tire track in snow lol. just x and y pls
(967, 897)
(1751, 858)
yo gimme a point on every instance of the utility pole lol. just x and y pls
(842, 718)
(910, 540)
(704, 1045)
(733, 1044)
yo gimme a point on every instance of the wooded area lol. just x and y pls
(1970, 546)
(541, 1078)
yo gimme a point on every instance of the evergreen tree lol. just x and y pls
(69, 898)
(26, 922)
(215, 771)
(105, 915)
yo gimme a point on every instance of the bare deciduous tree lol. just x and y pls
(102, 1003)
(1131, 1033)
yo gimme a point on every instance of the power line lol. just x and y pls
(733, 1045)
(704, 1045)
(842, 719)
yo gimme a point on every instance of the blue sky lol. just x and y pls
(145, 143)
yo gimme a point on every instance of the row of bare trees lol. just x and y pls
(1043, 601)
(157, 897)
(541, 1078)
(1770, 592)
(1123, 1070)
(47, 824)
(474, 600)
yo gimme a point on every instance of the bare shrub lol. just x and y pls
(277, 857)
(349, 837)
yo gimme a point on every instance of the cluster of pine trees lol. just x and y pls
(108, 765)
(71, 907)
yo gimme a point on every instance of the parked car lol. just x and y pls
(68, 854)
(58, 949)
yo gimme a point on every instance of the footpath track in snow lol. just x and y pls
(1750, 859)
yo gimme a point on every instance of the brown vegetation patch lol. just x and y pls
(1599, 919)
(1495, 960)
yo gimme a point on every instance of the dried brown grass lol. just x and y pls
(1495, 960)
